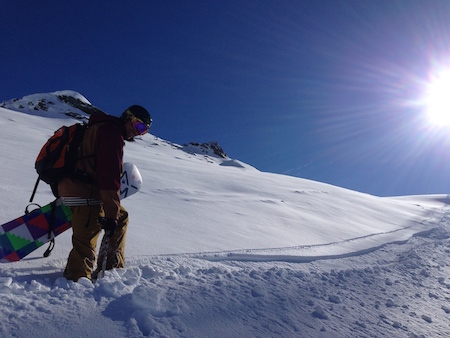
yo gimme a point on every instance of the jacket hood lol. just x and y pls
(101, 117)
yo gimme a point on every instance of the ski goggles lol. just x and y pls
(140, 126)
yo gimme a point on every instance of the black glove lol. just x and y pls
(109, 225)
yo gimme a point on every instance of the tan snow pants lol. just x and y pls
(86, 231)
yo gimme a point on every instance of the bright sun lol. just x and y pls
(438, 100)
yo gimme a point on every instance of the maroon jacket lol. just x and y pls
(101, 159)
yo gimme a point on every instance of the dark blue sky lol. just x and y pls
(325, 90)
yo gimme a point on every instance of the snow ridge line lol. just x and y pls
(347, 245)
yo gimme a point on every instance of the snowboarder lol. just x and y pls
(97, 177)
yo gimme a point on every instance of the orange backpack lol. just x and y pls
(59, 155)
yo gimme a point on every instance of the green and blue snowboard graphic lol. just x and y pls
(25, 234)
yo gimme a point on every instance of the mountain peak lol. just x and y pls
(65, 102)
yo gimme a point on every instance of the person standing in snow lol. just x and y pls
(97, 177)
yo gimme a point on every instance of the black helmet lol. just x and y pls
(139, 112)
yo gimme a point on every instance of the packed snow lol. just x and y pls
(216, 248)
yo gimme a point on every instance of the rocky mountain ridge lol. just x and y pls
(74, 104)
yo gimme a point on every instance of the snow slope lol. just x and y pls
(216, 248)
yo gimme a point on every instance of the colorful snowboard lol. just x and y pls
(25, 234)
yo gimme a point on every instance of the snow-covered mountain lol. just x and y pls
(216, 248)
(73, 104)
(64, 102)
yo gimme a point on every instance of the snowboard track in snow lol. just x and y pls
(257, 255)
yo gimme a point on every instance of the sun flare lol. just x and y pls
(438, 100)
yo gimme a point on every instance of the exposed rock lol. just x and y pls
(209, 148)
(77, 103)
